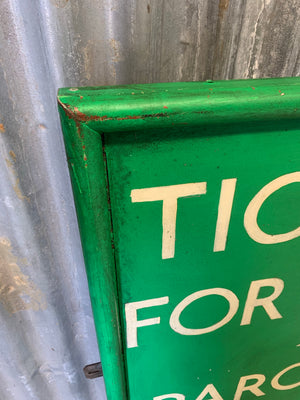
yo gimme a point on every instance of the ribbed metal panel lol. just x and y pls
(46, 331)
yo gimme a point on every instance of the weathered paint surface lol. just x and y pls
(187, 201)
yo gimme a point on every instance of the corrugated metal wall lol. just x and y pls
(46, 331)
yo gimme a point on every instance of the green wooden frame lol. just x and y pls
(87, 113)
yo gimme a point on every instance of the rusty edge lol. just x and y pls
(79, 116)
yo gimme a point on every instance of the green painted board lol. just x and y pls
(187, 196)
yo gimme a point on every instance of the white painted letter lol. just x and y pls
(131, 317)
(266, 302)
(227, 294)
(224, 213)
(175, 396)
(250, 218)
(254, 388)
(169, 196)
(211, 390)
(275, 381)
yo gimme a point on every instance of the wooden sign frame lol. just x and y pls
(89, 114)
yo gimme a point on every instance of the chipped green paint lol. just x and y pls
(214, 153)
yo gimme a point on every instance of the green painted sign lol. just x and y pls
(187, 197)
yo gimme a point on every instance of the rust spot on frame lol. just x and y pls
(144, 116)
(2, 128)
(83, 117)
(79, 116)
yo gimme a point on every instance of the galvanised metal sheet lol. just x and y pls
(187, 199)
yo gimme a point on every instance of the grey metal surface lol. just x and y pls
(46, 330)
